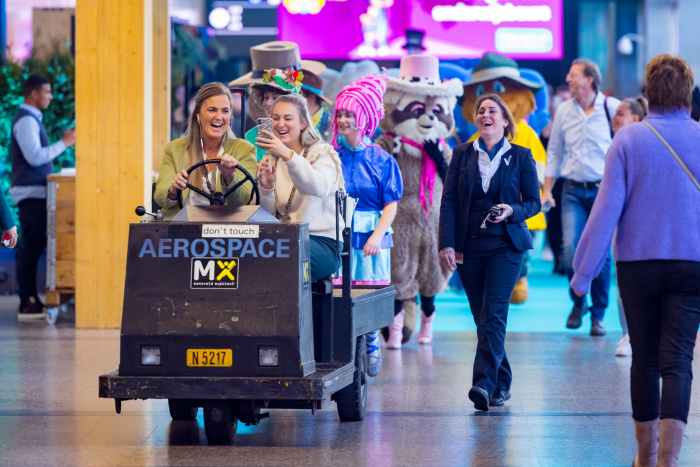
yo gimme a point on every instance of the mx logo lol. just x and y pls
(214, 273)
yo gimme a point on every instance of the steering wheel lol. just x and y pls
(218, 198)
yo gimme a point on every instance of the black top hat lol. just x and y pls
(414, 38)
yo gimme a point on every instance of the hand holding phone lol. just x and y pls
(264, 124)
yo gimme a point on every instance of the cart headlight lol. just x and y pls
(267, 356)
(150, 355)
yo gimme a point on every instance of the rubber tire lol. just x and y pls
(182, 409)
(352, 399)
(220, 421)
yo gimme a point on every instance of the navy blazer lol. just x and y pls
(519, 188)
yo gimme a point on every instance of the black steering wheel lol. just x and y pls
(218, 198)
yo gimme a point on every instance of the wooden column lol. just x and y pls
(114, 114)
(161, 81)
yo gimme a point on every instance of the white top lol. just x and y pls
(195, 199)
(488, 167)
(579, 142)
(317, 178)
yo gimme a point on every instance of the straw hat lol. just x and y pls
(312, 83)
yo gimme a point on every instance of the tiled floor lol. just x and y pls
(570, 407)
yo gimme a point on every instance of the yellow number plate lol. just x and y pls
(209, 357)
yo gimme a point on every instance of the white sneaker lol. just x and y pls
(624, 349)
(374, 353)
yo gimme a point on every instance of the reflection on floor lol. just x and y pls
(570, 407)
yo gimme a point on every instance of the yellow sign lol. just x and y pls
(209, 357)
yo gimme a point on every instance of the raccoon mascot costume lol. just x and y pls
(419, 117)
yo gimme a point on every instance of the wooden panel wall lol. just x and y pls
(113, 97)
(161, 81)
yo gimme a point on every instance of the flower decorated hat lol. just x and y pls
(277, 54)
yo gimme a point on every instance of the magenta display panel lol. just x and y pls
(355, 29)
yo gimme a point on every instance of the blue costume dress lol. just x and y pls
(372, 176)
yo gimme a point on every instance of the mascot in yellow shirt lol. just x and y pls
(495, 74)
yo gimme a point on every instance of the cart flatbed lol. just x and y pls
(327, 379)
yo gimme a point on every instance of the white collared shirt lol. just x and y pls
(579, 142)
(488, 167)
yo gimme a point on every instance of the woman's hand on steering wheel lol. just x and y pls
(271, 143)
(227, 166)
(179, 183)
(266, 174)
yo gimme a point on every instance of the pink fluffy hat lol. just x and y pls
(364, 99)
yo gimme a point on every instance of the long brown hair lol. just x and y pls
(194, 128)
(511, 131)
(308, 135)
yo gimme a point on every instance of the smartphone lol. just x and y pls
(264, 124)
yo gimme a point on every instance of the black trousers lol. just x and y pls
(555, 233)
(491, 268)
(32, 243)
(662, 306)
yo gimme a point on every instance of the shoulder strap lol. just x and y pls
(670, 149)
(607, 115)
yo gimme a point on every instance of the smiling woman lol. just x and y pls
(491, 188)
(208, 136)
(298, 179)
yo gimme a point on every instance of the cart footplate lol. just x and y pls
(326, 380)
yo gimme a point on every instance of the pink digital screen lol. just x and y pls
(356, 29)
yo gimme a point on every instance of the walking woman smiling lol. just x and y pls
(490, 190)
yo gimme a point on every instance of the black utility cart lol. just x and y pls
(219, 313)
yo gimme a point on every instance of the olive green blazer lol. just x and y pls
(177, 159)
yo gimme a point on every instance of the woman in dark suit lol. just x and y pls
(489, 173)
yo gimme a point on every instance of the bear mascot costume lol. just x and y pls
(419, 117)
(495, 74)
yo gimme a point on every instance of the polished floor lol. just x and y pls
(570, 407)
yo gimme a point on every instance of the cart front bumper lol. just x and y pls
(326, 380)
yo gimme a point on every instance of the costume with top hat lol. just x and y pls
(281, 55)
(419, 118)
(495, 74)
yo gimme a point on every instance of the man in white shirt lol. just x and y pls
(32, 161)
(579, 141)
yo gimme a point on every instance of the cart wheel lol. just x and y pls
(51, 315)
(182, 409)
(220, 421)
(352, 399)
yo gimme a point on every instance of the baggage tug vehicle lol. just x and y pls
(220, 313)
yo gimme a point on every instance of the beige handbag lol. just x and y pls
(670, 149)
